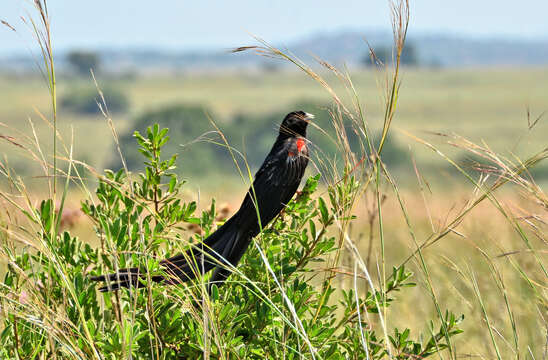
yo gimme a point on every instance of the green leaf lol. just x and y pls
(312, 229)
(214, 293)
(323, 211)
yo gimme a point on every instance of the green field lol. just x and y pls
(480, 104)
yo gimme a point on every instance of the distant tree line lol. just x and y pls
(82, 61)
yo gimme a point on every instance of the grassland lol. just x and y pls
(480, 104)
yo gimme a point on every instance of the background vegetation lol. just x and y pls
(480, 104)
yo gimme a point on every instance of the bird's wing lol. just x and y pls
(275, 184)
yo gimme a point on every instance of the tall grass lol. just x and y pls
(46, 294)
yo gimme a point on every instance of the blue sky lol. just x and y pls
(185, 25)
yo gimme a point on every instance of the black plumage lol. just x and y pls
(274, 185)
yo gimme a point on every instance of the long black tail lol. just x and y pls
(227, 244)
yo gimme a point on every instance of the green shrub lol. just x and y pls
(86, 100)
(279, 302)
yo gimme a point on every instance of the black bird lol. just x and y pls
(274, 185)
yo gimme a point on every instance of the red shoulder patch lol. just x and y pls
(300, 144)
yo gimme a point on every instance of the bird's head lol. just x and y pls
(295, 123)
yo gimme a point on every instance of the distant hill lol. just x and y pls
(461, 51)
(432, 49)
(349, 47)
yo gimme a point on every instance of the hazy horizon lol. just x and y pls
(197, 26)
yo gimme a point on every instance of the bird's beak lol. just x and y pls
(308, 117)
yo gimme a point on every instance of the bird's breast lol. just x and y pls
(297, 148)
(300, 144)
